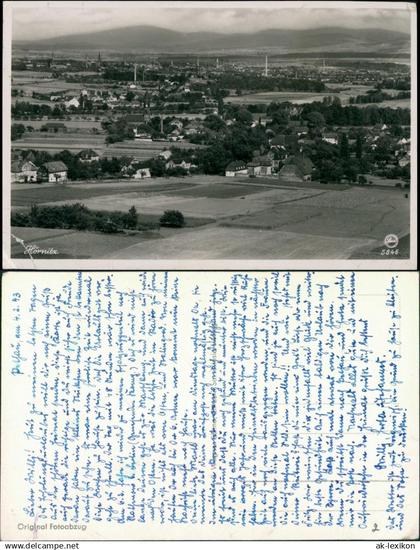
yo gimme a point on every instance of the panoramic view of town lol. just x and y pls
(142, 141)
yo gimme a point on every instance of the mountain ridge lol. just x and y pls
(159, 39)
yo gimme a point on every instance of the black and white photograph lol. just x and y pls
(210, 135)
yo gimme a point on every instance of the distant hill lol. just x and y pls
(155, 39)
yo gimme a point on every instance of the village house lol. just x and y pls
(193, 128)
(177, 123)
(24, 171)
(296, 168)
(236, 168)
(276, 154)
(404, 144)
(330, 137)
(88, 156)
(73, 102)
(141, 134)
(175, 135)
(53, 172)
(183, 164)
(298, 127)
(56, 97)
(166, 155)
(142, 173)
(260, 166)
(279, 140)
(133, 121)
(404, 161)
(54, 127)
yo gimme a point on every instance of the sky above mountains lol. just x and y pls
(38, 20)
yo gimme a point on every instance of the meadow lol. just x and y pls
(235, 218)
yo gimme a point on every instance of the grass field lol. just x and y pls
(300, 97)
(75, 141)
(74, 123)
(392, 103)
(234, 219)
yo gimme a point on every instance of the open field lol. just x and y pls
(75, 141)
(73, 123)
(245, 220)
(300, 97)
(392, 103)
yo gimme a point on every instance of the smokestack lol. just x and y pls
(135, 73)
(266, 66)
(217, 63)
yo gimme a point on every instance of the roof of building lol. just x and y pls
(17, 166)
(279, 139)
(260, 161)
(55, 166)
(87, 153)
(236, 165)
(299, 129)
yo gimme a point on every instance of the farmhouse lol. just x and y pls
(297, 168)
(278, 140)
(236, 168)
(141, 135)
(260, 166)
(166, 154)
(183, 164)
(53, 172)
(330, 137)
(134, 120)
(73, 102)
(142, 173)
(88, 156)
(24, 171)
(193, 128)
(54, 127)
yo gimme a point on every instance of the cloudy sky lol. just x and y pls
(33, 20)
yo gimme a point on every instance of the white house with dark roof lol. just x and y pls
(236, 168)
(24, 171)
(260, 166)
(53, 172)
(88, 156)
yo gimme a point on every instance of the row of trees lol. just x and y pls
(377, 96)
(337, 115)
(78, 216)
(255, 82)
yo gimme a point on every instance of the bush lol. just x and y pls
(172, 218)
(20, 219)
